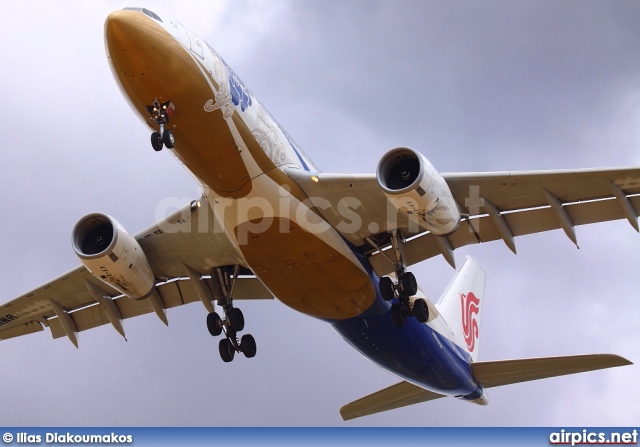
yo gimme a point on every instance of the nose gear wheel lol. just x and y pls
(160, 113)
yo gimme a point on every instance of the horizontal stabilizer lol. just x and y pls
(488, 374)
(396, 396)
(506, 372)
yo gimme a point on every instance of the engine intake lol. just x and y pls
(113, 256)
(94, 236)
(415, 188)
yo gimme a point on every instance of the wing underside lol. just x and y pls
(496, 206)
(182, 250)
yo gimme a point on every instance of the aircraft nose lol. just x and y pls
(119, 25)
(141, 55)
(127, 29)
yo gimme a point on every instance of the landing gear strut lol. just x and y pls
(224, 279)
(160, 114)
(404, 289)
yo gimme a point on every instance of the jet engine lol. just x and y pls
(414, 187)
(112, 255)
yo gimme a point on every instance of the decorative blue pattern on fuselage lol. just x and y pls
(414, 352)
(299, 153)
(240, 95)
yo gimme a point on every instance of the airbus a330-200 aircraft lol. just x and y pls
(332, 246)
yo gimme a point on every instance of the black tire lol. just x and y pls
(248, 346)
(386, 288)
(236, 319)
(214, 324)
(409, 284)
(421, 310)
(396, 315)
(168, 139)
(227, 351)
(156, 141)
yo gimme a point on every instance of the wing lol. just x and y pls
(497, 205)
(182, 250)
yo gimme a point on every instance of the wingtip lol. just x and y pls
(614, 360)
(621, 360)
(348, 415)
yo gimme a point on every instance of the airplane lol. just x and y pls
(336, 247)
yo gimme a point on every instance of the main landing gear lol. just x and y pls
(160, 114)
(405, 287)
(224, 279)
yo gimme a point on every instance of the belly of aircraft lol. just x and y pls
(307, 274)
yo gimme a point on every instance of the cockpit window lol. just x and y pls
(151, 14)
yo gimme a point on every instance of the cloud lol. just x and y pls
(491, 86)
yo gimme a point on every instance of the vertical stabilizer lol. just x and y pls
(461, 306)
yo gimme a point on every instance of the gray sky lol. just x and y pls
(475, 86)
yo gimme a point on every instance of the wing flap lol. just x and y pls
(250, 289)
(482, 229)
(173, 294)
(68, 289)
(357, 208)
(23, 329)
(191, 235)
(396, 396)
(93, 316)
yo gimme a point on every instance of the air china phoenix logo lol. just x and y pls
(470, 308)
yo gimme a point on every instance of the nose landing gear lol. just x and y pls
(224, 279)
(160, 113)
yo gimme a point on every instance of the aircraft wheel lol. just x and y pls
(421, 310)
(168, 139)
(386, 288)
(236, 319)
(156, 141)
(214, 324)
(396, 315)
(409, 284)
(227, 351)
(248, 346)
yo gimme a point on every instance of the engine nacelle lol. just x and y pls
(416, 189)
(112, 255)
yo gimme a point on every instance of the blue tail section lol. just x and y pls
(414, 352)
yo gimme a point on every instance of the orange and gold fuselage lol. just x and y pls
(232, 145)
